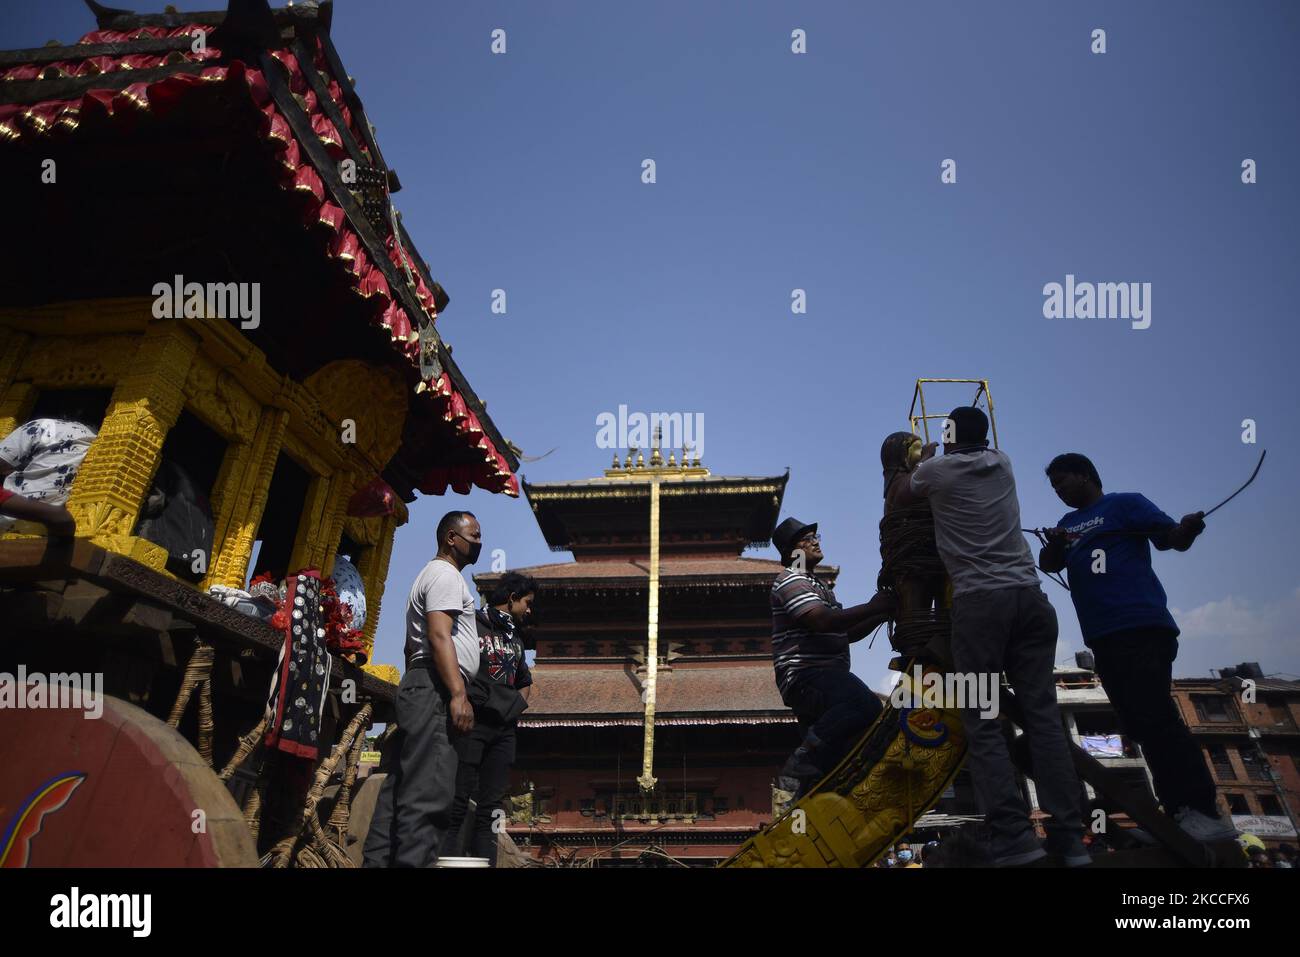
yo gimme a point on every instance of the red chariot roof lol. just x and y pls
(310, 118)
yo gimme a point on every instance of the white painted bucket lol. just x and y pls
(462, 862)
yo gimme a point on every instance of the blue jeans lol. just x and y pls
(835, 708)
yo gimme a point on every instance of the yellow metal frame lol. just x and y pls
(921, 423)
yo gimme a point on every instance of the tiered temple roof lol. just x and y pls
(587, 697)
(714, 611)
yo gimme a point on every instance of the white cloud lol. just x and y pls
(887, 681)
(1227, 632)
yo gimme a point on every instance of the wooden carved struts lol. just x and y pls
(309, 846)
(198, 674)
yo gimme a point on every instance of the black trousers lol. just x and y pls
(414, 805)
(1013, 631)
(836, 707)
(483, 773)
(1136, 669)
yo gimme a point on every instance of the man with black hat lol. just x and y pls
(811, 633)
(1001, 621)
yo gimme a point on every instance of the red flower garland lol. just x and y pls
(340, 637)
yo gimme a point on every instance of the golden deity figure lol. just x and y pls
(909, 560)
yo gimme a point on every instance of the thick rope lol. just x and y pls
(198, 674)
(907, 548)
(309, 828)
(342, 813)
(247, 744)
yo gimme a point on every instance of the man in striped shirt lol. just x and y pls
(811, 634)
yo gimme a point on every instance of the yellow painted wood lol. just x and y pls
(156, 368)
(859, 810)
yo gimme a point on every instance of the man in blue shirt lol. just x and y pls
(1105, 545)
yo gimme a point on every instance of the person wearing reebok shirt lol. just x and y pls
(1105, 547)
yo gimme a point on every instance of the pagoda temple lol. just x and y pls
(655, 727)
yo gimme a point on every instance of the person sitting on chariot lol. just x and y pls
(38, 462)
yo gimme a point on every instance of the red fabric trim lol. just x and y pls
(273, 732)
(373, 499)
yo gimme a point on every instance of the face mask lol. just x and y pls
(471, 556)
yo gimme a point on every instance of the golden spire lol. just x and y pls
(636, 468)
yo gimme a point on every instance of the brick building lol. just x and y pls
(1248, 726)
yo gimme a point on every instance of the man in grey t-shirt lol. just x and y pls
(441, 587)
(1001, 621)
(442, 655)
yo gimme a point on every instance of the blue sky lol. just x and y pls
(821, 172)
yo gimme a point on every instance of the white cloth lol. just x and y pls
(441, 587)
(350, 589)
(976, 520)
(45, 455)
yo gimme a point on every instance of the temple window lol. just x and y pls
(87, 406)
(676, 806)
(279, 526)
(177, 510)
